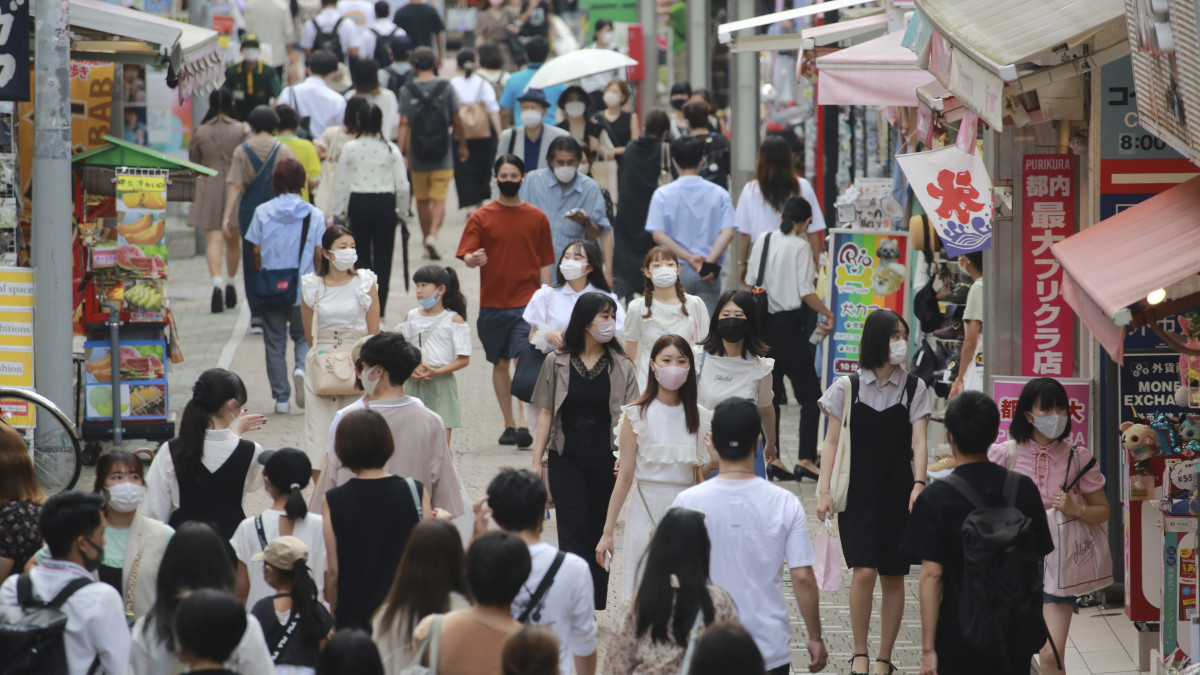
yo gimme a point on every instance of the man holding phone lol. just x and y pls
(694, 219)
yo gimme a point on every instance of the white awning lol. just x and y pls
(819, 36)
(726, 30)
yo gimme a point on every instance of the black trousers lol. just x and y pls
(581, 492)
(787, 334)
(372, 217)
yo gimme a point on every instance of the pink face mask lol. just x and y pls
(670, 377)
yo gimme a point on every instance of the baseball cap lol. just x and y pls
(736, 424)
(249, 40)
(286, 467)
(282, 553)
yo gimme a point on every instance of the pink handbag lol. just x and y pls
(1081, 561)
(828, 567)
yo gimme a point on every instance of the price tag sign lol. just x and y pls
(1183, 475)
(128, 183)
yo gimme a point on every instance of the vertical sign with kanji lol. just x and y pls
(1048, 216)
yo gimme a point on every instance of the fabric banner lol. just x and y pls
(870, 272)
(1006, 391)
(955, 190)
(1048, 217)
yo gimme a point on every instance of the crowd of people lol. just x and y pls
(642, 376)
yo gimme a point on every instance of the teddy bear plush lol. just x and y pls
(1140, 441)
(1189, 429)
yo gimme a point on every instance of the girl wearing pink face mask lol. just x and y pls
(661, 437)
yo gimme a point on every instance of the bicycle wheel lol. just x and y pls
(53, 443)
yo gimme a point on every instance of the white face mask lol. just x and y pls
(125, 497)
(368, 384)
(664, 277)
(344, 259)
(1051, 426)
(565, 174)
(899, 350)
(531, 118)
(612, 99)
(608, 39)
(585, 169)
(575, 108)
(250, 54)
(571, 269)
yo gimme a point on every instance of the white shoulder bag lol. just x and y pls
(839, 480)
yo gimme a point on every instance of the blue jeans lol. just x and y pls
(709, 291)
(278, 325)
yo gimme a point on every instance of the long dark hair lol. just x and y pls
(796, 210)
(679, 551)
(304, 598)
(875, 347)
(594, 260)
(776, 172)
(327, 241)
(354, 110)
(655, 254)
(432, 567)
(195, 558)
(752, 343)
(212, 390)
(220, 102)
(1046, 393)
(687, 392)
(437, 275)
(586, 308)
(370, 122)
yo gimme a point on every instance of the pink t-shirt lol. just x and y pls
(1047, 466)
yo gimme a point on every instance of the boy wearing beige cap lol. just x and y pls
(294, 622)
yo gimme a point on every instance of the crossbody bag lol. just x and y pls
(278, 288)
(332, 371)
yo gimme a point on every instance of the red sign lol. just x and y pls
(1048, 216)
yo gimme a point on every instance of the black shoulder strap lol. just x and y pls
(262, 535)
(543, 588)
(762, 260)
(303, 239)
(910, 388)
(439, 88)
(1084, 469)
(512, 139)
(1012, 484)
(853, 388)
(67, 591)
(24, 590)
(964, 489)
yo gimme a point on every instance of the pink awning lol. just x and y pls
(1119, 261)
(877, 72)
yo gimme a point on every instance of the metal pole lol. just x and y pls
(697, 43)
(648, 18)
(51, 213)
(745, 112)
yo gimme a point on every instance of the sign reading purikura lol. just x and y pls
(1047, 217)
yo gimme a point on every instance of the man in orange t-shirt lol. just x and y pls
(509, 240)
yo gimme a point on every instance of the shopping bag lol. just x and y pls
(1081, 562)
(828, 566)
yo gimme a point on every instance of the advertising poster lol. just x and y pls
(1006, 391)
(955, 190)
(1048, 217)
(869, 270)
(141, 251)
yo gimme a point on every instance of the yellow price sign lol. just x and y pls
(127, 183)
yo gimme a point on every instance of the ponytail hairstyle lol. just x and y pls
(437, 275)
(795, 210)
(304, 598)
(287, 471)
(214, 388)
(328, 239)
(661, 253)
(687, 393)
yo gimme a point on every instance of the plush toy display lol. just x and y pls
(1188, 394)
(1140, 441)
(1189, 428)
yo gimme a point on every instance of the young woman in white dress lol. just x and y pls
(663, 309)
(339, 305)
(661, 440)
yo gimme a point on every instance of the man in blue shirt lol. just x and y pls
(536, 50)
(694, 219)
(571, 200)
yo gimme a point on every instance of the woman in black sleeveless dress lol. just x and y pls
(367, 520)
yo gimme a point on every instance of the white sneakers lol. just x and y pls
(282, 407)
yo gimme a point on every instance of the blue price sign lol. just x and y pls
(1148, 384)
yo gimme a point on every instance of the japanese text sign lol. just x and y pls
(956, 192)
(1007, 390)
(14, 50)
(1048, 217)
(131, 183)
(869, 272)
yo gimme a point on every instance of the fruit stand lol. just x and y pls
(121, 192)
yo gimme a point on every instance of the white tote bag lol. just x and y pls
(839, 480)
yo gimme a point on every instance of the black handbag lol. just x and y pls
(759, 292)
(527, 372)
(277, 289)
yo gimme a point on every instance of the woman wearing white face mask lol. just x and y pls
(663, 309)
(580, 391)
(661, 436)
(889, 416)
(1041, 448)
(604, 37)
(134, 544)
(340, 304)
(573, 103)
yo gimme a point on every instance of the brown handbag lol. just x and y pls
(474, 116)
(332, 372)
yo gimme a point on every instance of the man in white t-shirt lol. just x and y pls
(516, 500)
(315, 97)
(756, 527)
(970, 369)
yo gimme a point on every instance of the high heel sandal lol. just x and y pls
(801, 473)
(853, 658)
(777, 474)
(891, 668)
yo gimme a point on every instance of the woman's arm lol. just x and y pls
(771, 451)
(628, 463)
(833, 431)
(1094, 509)
(920, 458)
(458, 363)
(373, 312)
(635, 128)
(426, 506)
(306, 317)
(631, 347)
(331, 561)
(545, 419)
(6, 566)
(243, 582)
(341, 184)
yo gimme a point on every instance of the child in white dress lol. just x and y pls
(663, 309)
(439, 329)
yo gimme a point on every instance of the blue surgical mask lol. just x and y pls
(430, 302)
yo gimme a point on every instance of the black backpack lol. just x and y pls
(383, 51)
(430, 128)
(1000, 605)
(31, 633)
(331, 41)
(397, 82)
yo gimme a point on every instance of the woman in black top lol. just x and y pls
(621, 125)
(367, 520)
(580, 392)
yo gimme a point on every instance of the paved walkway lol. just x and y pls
(1102, 642)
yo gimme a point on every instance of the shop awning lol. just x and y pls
(818, 36)
(725, 32)
(876, 72)
(1111, 267)
(119, 153)
(191, 51)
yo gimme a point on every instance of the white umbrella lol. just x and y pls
(577, 64)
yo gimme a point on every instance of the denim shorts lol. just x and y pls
(1048, 599)
(503, 332)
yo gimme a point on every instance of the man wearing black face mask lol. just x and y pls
(680, 93)
(72, 523)
(510, 241)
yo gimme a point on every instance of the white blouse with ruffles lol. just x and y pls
(339, 308)
(720, 377)
(667, 453)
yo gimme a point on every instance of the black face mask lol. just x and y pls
(732, 329)
(677, 103)
(93, 564)
(509, 188)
